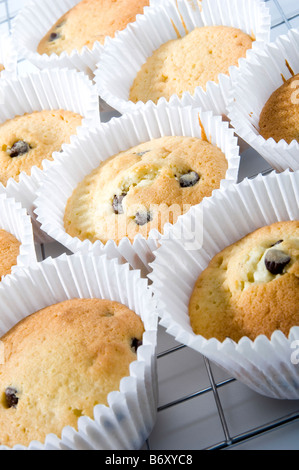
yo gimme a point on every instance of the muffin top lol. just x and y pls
(90, 21)
(62, 361)
(279, 118)
(144, 188)
(183, 64)
(9, 252)
(251, 288)
(25, 141)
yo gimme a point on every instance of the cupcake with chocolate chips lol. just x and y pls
(188, 53)
(238, 304)
(139, 176)
(143, 188)
(8, 57)
(89, 21)
(71, 33)
(79, 361)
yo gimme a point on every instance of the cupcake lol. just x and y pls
(264, 105)
(182, 64)
(10, 249)
(16, 237)
(46, 384)
(182, 53)
(140, 173)
(8, 57)
(40, 113)
(92, 348)
(251, 287)
(234, 285)
(279, 116)
(27, 140)
(71, 33)
(143, 188)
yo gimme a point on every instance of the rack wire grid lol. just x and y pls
(200, 407)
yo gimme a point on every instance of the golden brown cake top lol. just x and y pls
(279, 118)
(183, 64)
(144, 188)
(62, 361)
(9, 252)
(25, 141)
(90, 21)
(251, 288)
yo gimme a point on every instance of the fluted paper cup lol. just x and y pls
(32, 24)
(15, 220)
(96, 145)
(8, 57)
(124, 55)
(131, 412)
(37, 91)
(253, 86)
(268, 366)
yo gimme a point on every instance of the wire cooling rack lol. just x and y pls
(200, 407)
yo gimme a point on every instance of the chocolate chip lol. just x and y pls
(53, 37)
(11, 397)
(189, 179)
(19, 148)
(276, 261)
(118, 204)
(143, 218)
(136, 343)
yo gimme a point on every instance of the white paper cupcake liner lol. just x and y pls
(15, 220)
(96, 145)
(32, 24)
(8, 57)
(124, 55)
(128, 420)
(252, 87)
(48, 89)
(266, 366)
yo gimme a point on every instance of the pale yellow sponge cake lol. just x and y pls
(90, 21)
(279, 118)
(9, 252)
(144, 188)
(62, 361)
(27, 140)
(180, 65)
(251, 288)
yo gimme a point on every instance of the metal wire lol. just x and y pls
(229, 441)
